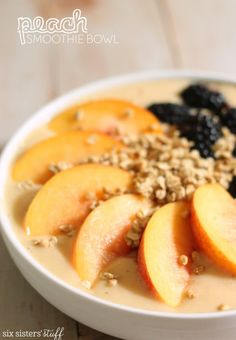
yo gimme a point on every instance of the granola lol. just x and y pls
(58, 167)
(45, 242)
(110, 278)
(166, 169)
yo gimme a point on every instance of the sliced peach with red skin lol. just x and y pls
(106, 115)
(214, 224)
(65, 198)
(70, 147)
(167, 236)
(101, 238)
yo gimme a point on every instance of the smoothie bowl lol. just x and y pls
(117, 205)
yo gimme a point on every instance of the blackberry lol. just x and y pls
(232, 187)
(203, 131)
(228, 119)
(173, 114)
(200, 96)
(234, 152)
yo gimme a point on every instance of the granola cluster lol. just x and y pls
(45, 242)
(58, 167)
(138, 225)
(110, 278)
(166, 169)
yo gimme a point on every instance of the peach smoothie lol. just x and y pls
(130, 195)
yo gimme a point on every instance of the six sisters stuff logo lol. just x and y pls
(66, 30)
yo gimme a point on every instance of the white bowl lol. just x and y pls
(118, 320)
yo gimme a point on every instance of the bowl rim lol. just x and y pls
(41, 117)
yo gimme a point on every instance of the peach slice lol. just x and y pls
(214, 224)
(106, 115)
(102, 235)
(69, 147)
(167, 237)
(65, 198)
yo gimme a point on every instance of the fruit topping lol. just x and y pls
(164, 256)
(228, 119)
(102, 236)
(56, 153)
(204, 131)
(232, 187)
(234, 152)
(110, 116)
(199, 128)
(67, 198)
(214, 224)
(199, 96)
(173, 114)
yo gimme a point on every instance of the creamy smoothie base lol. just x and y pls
(211, 289)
